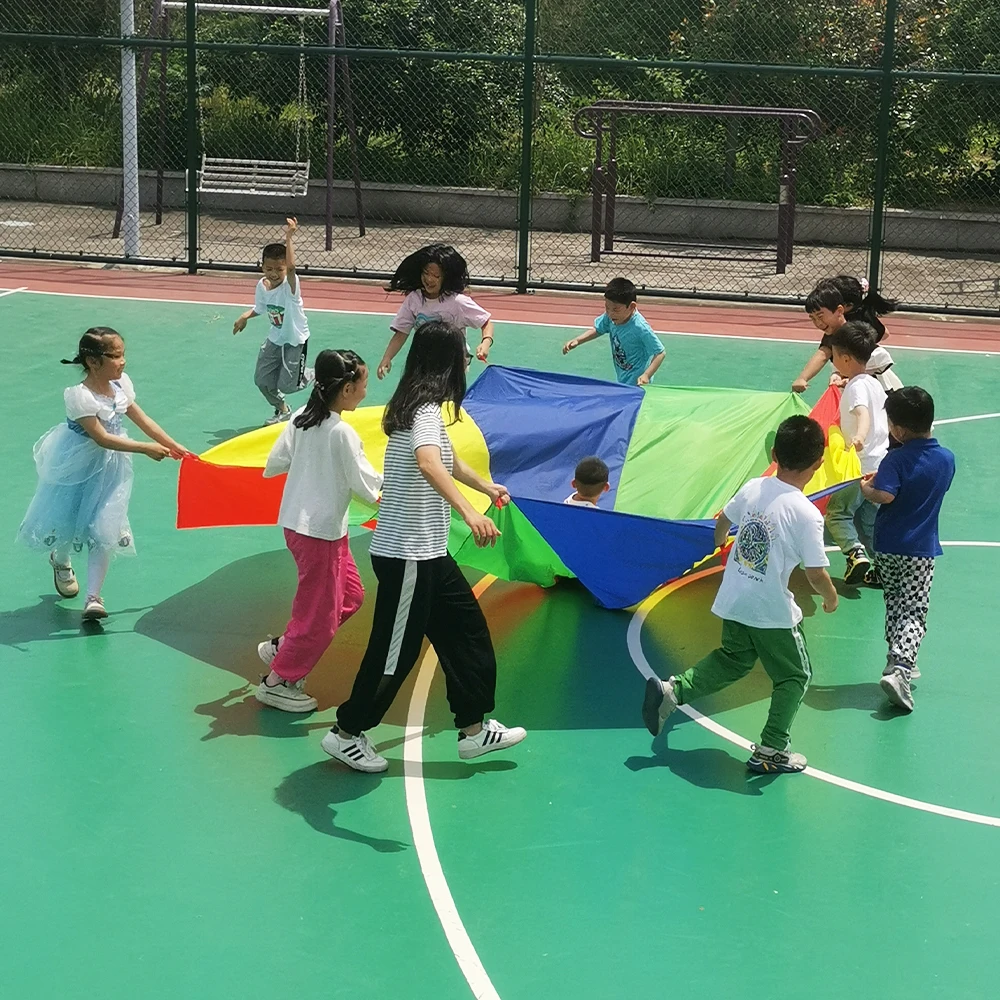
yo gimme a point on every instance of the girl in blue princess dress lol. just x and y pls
(85, 470)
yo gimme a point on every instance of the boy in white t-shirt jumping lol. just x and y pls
(590, 482)
(850, 518)
(777, 530)
(281, 361)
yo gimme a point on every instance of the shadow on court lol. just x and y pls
(315, 791)
(220, 620)
(226, 433)
(723, 770)
(52, 620)
(562, 662)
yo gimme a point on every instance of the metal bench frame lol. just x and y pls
(599, 121)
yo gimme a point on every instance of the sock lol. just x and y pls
(98, 562)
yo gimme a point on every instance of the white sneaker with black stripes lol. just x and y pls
(493, 736)
(354, 751)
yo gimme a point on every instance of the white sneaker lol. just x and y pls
(354, 751)
(657, 704)
(289, 697)
(64, 578)
(895, 683)
(767, 760)
(280, 416)
(890, 663)
(93, 610)
(268, 650)
(493, 736)
(308, 375)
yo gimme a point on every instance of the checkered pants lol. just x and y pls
(907, 589)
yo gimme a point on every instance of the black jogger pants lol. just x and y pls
(415, 599)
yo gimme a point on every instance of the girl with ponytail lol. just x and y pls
(326, 465)
(85, 470)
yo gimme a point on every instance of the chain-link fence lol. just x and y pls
(711, 148)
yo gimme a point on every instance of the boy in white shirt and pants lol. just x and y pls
(850, 518)
(778, 529)
(281, 361)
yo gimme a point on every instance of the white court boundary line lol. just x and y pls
(634, 640)
(962, 420)
(13, 291)
(416, 798)
(423, 835)
(518, 322)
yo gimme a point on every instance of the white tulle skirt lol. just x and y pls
(82, 495)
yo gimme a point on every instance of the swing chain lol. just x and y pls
(302, 96)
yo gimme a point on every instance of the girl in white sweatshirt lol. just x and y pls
(326, 465)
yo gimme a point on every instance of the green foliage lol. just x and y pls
(458, 123)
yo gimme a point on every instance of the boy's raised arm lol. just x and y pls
(291, 225)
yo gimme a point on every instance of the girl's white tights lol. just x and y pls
(98, 561)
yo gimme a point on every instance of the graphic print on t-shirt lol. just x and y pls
(618, 353)
(753, 543)
(276, 314)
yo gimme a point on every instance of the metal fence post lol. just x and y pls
(527, 135)
(130, 134)
(193, 138)
(877, 233)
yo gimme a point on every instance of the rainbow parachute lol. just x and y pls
(676, 456)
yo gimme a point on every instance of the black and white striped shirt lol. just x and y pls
(413, 519)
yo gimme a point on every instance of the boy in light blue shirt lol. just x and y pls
(635, 350)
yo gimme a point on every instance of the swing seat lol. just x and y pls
(285, 178)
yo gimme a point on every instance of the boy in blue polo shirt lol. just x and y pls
(909, 488)
(635, 350)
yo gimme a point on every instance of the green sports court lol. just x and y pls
(166, 836)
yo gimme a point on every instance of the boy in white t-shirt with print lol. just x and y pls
(777, 530)
(281, 361)
(850, 518)
(590, 483)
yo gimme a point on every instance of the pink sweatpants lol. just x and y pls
(329, 592)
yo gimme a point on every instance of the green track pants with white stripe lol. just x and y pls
(783, 654)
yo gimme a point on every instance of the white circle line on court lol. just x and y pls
(803, 342)
(634, 640)
(423, 835)
(416, 798)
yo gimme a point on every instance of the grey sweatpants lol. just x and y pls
(850, 519)
(280, 369)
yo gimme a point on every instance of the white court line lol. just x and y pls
(423, 836)
(12, 291)
(517, 322)
(962, 420)
(634, 640)
(416, 798)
